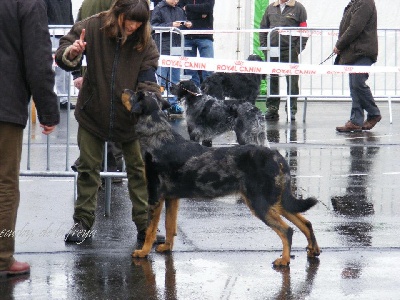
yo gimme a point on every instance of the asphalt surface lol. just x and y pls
(221, 250)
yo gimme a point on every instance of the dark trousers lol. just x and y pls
(361, 95)
(10, 159)
(292, 82)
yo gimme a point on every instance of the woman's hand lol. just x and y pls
(78, 47)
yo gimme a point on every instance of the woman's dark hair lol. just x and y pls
(132, 10)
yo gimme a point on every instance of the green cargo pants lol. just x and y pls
(90, 159)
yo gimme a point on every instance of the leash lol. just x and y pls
(330, 56)
(170, 82)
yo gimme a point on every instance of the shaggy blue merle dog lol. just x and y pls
(208, 117)
(241, 86)
(177, 168)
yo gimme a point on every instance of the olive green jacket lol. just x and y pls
(111, 68)
(92, 7)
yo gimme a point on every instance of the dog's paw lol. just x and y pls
(313, 252)
(139, 253)
(280, 262)
(164, 248)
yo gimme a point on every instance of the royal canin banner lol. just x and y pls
(245, 66)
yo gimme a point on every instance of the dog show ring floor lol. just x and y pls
(221, 251)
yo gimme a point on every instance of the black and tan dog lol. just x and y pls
(240, 86)
(208, 117)
(177, 168)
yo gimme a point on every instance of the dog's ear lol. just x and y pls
(136, 103)
(164, 103)
(126, 98)
(131, 101)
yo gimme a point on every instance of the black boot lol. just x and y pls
(78, 233)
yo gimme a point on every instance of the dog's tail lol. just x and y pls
(293, 205)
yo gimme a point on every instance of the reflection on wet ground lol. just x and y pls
(221, 251)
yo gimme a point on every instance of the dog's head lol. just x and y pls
(254, 57)
(185, 88)
(143, 103)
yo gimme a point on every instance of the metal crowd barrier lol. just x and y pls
(161, 32)
(55, 33)
(320, 44)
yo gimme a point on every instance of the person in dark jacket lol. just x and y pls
(283, 13)
(59, 12)
(201, 14)
(88, 8)
(114, 152)
(168, 14)
(358, 45)
(120, 54)
(26, 70)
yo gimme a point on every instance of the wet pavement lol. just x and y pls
(221, 250)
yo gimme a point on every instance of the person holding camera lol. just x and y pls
(168, 14)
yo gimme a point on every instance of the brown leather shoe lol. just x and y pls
(17, 268)
(371, 122)
(349, 127)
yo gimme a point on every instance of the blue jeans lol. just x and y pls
(173, 75)
(206, 49)
(361, 95)
(62, 80)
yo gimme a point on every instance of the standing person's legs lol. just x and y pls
(292, 89)
(192, 44)
(62, 78)
(137, 186)
(171, 75)
(362, 99)
(163, 72)
(357, 113)
(114, 157)
(361, 92)
(272, 103)
(292, 82)
(175, 108)
(10, 148)
(206, 49)
(91, 151)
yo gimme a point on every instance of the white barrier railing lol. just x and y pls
(316, 84)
